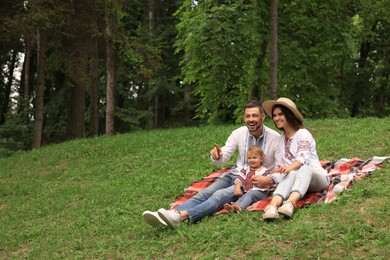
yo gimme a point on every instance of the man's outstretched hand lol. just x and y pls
(216, 152)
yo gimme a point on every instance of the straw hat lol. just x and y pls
(288, 103)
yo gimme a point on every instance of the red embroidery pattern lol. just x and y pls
(304, 145)
(287, 144)
(248, 180)
(303, 148)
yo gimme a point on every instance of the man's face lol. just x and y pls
(253, 119)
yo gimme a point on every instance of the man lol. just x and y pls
(211, 199)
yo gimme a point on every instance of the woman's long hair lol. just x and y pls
(290, 117)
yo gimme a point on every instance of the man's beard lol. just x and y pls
(255, 126)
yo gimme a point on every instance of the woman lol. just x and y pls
(301, 164)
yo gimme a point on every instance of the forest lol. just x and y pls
(76, 69)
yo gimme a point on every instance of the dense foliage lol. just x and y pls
(102, 66)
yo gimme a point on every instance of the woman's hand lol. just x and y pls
(282, 169)
(287, 169)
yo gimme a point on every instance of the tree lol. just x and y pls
(313, 44)
(38, 117)
(110, 68)
(94, 87)
(7, 87)
(220, 42)
(369, 70)
(72, 65)
(27, 68)
(326, 52)
(274, 48)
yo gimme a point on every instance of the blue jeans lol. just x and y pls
(302, 180)
(211, 199)
(251, 197)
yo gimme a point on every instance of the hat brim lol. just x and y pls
(269, 104)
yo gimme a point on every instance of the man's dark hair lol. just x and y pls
(254, 103)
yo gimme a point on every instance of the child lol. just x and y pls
(244, 186)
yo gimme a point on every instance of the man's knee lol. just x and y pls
(222, 193)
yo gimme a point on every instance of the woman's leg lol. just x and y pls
(308, 179)
(283, 189)
(319, 181)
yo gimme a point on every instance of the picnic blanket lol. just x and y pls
(342, 172)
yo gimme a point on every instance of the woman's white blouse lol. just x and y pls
(301, 147)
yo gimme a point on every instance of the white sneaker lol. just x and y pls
(270, 212)
(171, 217)
(287, 209)
(153, 219)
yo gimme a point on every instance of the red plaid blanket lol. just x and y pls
(343, 173)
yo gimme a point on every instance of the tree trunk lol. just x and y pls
(365, 48)
(76, 109)
(257, 91)
(77, 92)
(362, 77)
(94, 89)
(27, 80)
(187, 104)
(110, 68)
(274, 48)
(157, 112)
(38, 123)
(8, 85)
(78, 76)
(151, 123)
(381, 95)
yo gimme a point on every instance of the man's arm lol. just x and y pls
(220, 155)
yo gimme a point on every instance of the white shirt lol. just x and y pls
(300, 147)
(241, 139)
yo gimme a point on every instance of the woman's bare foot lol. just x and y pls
(229, 208)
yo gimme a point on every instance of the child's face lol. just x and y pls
(254, 160)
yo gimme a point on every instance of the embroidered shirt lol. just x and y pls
(300, 147)
(241, 139)
(245, 178)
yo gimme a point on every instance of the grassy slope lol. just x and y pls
(84, 199)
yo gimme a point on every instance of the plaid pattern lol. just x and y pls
(342, 172)
(199, 185)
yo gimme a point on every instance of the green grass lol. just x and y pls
(84, 199)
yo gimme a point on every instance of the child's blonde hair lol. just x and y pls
(256, 150)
